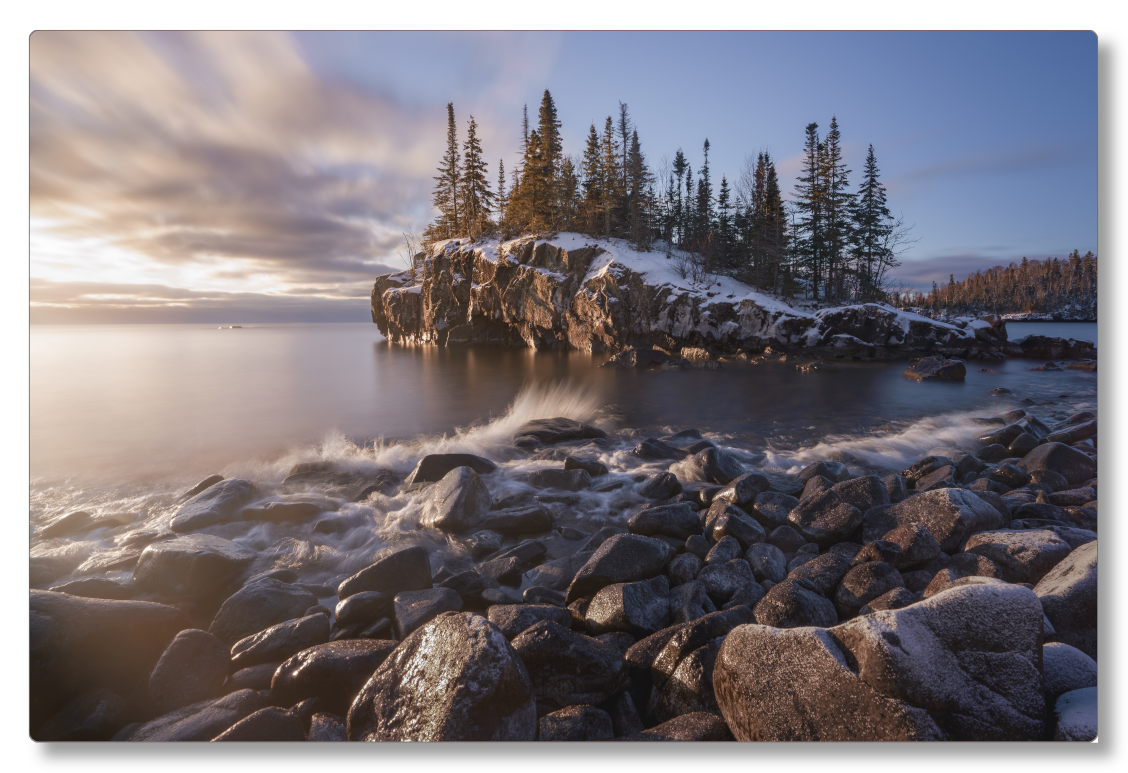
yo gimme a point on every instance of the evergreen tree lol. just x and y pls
(837, 209)
(548, 163)
(638, 184)
(569, 185)
(705, 215)
(609, 164)
(809, 241)
(592, 170)
(501, 200)
(871, 228)
(445, 198)
(725, 240)
(681, 166)
(477, 199)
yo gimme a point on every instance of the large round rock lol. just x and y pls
(622, 558)
(1069, 598)
(332, 672)
(457, 502)
(454, 679)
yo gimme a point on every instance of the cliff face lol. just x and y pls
(572, 293)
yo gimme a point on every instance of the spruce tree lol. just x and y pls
(838, 202)
(446, 196)
(638, 184)
(501, 200)
(548, 163)
(680, 167)
(871, 228)
(705, 215)
(609, 162)
(592, 169)
(568, 189)
(809, 240)
(477, 199)
(725, 239)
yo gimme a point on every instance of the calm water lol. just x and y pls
(124, 417)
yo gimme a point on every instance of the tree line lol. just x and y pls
(1049, 285)
(827, 243)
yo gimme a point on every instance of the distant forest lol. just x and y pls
(830, 243)
(1068, 286)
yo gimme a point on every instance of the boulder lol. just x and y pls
(1075, 466)
(731, 522)
(712, 465)
(772, 507)
(267, 724)
(679, 521)
(568, 668)
(416, 608)
(558, 573)
(698, 726)
(198, 721)
(654, 450)
(1075, 716)
(951, 515)
(725, 550)
(79, 644)
(252, 677)
(826, 519)
(454, 679)
(512, 619)
(592, 467)
(917, 545)
(257, 606)
(1022, 556)
(937, 368)
(192, 668)
(1066, 669)
(638, 608)
(392, 573)
(660, 486)
(196, 566)
(514, 521)
(743, 490)
(457, 502)
(327, 727)
(362, 608)
(206, 483)
(279, 642)
(898, 598)
(835, 472)
(433, 467)
(767, 562)
(863, 493)
(865, 583)
(963, 665)
(786, 539)
(70, 524)
(622, 558)
(558, 430)
(568, 480)
(1069, 597)
(216, 504)
(793, 604)
(684, 568)
(721, 581)
(333, 673)
(95, 588)
(575, 723)
(689, 688)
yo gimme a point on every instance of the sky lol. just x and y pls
(257, 177)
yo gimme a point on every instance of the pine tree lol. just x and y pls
(501, 200)
(477, 199)
(548, 162)
(705, 215)
(569, 185)
(446, 196)
(680, 167)
(638, 183)
(609, 163)
(725, 241)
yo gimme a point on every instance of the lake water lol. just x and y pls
(124, 417)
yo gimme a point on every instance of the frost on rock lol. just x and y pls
(602, 295)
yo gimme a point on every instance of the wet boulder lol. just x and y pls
(455, 679)
(721, 581)
(917, 545)
(786, 539)
(214, 505)
(622, 558)
(1075, 466)
(279, 642)
(689, 601)
(196, 566)
(568, 668)
(266, 724)
(698, 726)
(712, 465)
(684, 568)
(863, 493)
(567, 480)
(333, 673)
(558, 430)
(924, 467)
(772, 507)
(835, 472)
(362, 608)
(1068, 593)
(327, 728)
(416, 608)
(1007, 474)
(689, 688)
(457, 503)
(397, 571)
(592, 467)
(257, 606)
(192, 668)
(198, 721)
(78, 644)
(433, 467)
(638, 608)
(575, 723)
(936, 368)
(767, 562)
(557, 574)
(654, 450)
(660, 486)
(95, 716)
(1022, 556)
(826, 519)
(743, 490)
(733, 522)
(795, 603)
(70, 524)
(679, 521)
(95, 588)
(512, 619)
(897, 598)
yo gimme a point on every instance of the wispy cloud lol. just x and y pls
(996, 161)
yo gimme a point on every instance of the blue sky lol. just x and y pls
(267, 176)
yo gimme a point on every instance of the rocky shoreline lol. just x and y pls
(954, 599)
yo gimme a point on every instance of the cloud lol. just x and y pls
(117, 302)
(222, 151)
(996, 161)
